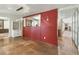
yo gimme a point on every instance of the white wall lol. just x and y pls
(6, 24)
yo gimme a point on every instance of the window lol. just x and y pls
(1, 24)
(33, 21)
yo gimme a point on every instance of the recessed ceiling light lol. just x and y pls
(9, 8)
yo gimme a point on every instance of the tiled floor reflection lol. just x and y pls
(66, 46)
(18, 46)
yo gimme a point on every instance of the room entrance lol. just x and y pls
(4, 30)
(68, 42)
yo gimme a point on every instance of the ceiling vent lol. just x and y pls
(19, 9)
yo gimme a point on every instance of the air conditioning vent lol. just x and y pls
(19, 9)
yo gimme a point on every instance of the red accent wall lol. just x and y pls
(48, 28)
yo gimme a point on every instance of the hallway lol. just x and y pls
(66, 45)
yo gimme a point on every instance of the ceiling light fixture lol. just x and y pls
(19, 9)
(9, 8)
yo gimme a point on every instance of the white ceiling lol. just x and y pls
(9, 10)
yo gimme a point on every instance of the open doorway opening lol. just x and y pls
(4, 30)
(68, 30)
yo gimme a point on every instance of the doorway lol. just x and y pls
(4, 31)
(68, 42)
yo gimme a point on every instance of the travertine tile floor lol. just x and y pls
(18, 46)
